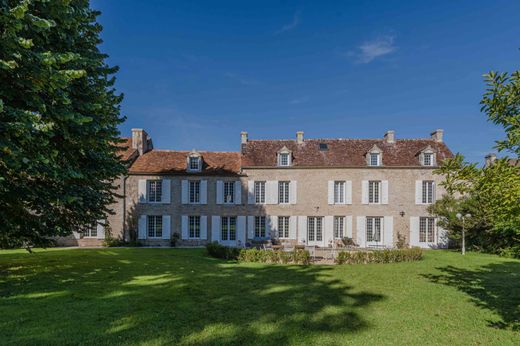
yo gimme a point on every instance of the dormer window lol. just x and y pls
(194, 162)
(284, 157)
(374, 157)
(427, 157)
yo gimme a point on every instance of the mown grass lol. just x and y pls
(180, 296)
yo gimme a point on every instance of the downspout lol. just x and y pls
(124, 208)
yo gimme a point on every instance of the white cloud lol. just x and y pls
(370, 50)
(290, 26)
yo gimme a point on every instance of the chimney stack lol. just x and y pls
(141, 141)
(243, 137)
(299, 137)
(390, 136)
(437, 135)
(490, 159)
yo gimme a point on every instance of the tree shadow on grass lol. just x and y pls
(173, 296)
(495, 287)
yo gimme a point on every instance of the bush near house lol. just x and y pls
(224, 252)
(297, 256)
(380, 256)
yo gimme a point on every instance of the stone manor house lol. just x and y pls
(299, 191)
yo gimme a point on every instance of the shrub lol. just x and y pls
(118, 242)
(275, 256)
(380, 256)
(401, 241)
(224, 252)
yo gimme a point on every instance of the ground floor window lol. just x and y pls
(91, 232)
(194, 226)
(283, 226)
(315, 229)
(374, 228)
(339, 224)
(426, 229)
(155, 226)
(228, 228)
(259, 226)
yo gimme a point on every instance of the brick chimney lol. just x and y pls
(437, 135)
(390, 136)
(243, 137)
(141, 141)
(299, 137)
(490, 159)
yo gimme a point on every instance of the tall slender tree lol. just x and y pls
(59, 114)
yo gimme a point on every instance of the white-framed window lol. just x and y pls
(283, 226)
(194, 227)
(426, 230)
(229, 192)
(428, 194)
(91, 232)
(194, 191)
(284, 159)
(373, 225)
(260, 227)
(259, 192)
(339, 192)
(194, 163)
(375, 159)
(374, 191)
(339, 224)
(154, 192)
(315, 228)
(228, 228)
(154, 226)
(283, 192)
(427, 159)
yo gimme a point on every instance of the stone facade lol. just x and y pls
(310, 174)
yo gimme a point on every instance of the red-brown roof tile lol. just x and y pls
(340, 153)
(174, 162)
(126, 151)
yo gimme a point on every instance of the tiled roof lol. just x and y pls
(174, 162)
(340, 153)
(126, 148)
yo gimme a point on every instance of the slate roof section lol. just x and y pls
(174, 162)
(341, 152)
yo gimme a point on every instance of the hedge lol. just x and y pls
(296, 256)
(380, 256)
(221, 251)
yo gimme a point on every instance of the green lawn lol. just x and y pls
(166, 296)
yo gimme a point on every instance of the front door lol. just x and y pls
(228, 230)
(315, 231)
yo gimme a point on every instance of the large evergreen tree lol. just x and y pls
(58, 121)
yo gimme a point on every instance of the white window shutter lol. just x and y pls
(330, 190)
(364, 192)
(302, 229)
(271, 192)
(203, 227)
(238, 192)
(293, 191)
(166, 227)
(434, 159)
(268, 226)
(215, 228)
(442, 237)
(141, 231)
(184, 192)
(292, 227)
(414, 231)
(348, 192)
(220, 192)
(203, 192)
(361, 231)
(384, 192)
(250, 227)
(273, 226)
(166, 191)
(348, 226)
(418, 192)
(434, 191)
(328, 234)
(142, 191)
(184, 226)
(388, 231)
(241, 230)
(251, 192)
(100, 231)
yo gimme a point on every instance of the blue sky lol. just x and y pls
(196, 73)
